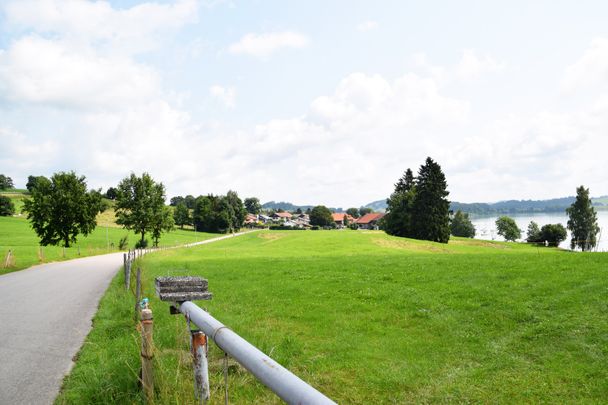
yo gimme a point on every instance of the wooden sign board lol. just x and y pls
(182, 288)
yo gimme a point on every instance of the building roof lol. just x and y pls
(338, 216)
(282, 214)
(367, 218)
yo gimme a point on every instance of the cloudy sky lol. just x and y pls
(309, 102)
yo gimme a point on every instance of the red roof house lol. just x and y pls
(369, 221)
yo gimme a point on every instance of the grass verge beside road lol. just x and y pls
(17, 235)
(369, 318)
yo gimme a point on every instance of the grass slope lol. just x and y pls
(17, 235)
(368, 318)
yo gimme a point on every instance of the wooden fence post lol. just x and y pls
(7, 261)
(137, 292)
(147, 370)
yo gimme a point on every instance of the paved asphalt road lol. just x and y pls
(45, 314)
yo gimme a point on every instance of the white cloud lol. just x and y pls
(472, 65)
(227, 95)
(262, 45)
(590, 70)
(133, 29)
(62, 74)
(367, 26)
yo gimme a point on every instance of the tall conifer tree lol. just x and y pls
(430, 211)
(397, 221)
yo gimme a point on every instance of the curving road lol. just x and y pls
(45, 315)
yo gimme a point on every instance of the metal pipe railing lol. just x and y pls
(281, 381)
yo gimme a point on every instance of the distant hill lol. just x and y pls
(510, 206)
(287, 206)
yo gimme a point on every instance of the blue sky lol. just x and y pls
(308, 102)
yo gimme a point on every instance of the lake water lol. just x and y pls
(486, 228)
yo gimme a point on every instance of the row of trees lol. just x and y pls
(61, 208)
(582, 223)
(418, 208)
(212, 213)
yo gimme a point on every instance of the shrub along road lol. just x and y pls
(46, 313)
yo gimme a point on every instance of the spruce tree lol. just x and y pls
(430, 211)
(397, 221)
(583, 221)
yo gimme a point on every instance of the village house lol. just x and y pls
(369, 221)
(342, 219)
(285, 216)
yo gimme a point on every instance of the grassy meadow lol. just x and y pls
(17, 235)
(368, 319)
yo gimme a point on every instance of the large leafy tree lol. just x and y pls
(7, 208)
(61, 208)
(181, 215)
(32, 181)
(461, 225)
(252, 205)
(236, 210)
(398, 219)
(321, 216)
(212, 214)
(5, 182)
(507, 228)
(140, 206)
(583, 221)
(430, 218)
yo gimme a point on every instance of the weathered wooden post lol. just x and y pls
(147, 369)
(178, 290)
(198, 343)
(137, 291)
(7, 261)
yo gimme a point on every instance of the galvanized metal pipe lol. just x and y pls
(281, 381)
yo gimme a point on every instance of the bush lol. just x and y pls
(7, 208)
(554, 234)
(123, 243)
(353, 226)
(315, 228)
(141, 244)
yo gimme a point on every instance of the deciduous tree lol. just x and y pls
(507, 228)
(32, 181)
(181, 215)
(583, 221)
(253, 205)
(321, 216)
(7, 208)
(533, 233)
(553, 234)
(5, 182)
(461, 225)
(61, 208)
(353, 212)
(140, 205)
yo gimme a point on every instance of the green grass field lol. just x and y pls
(370, 319)
(17, 235)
